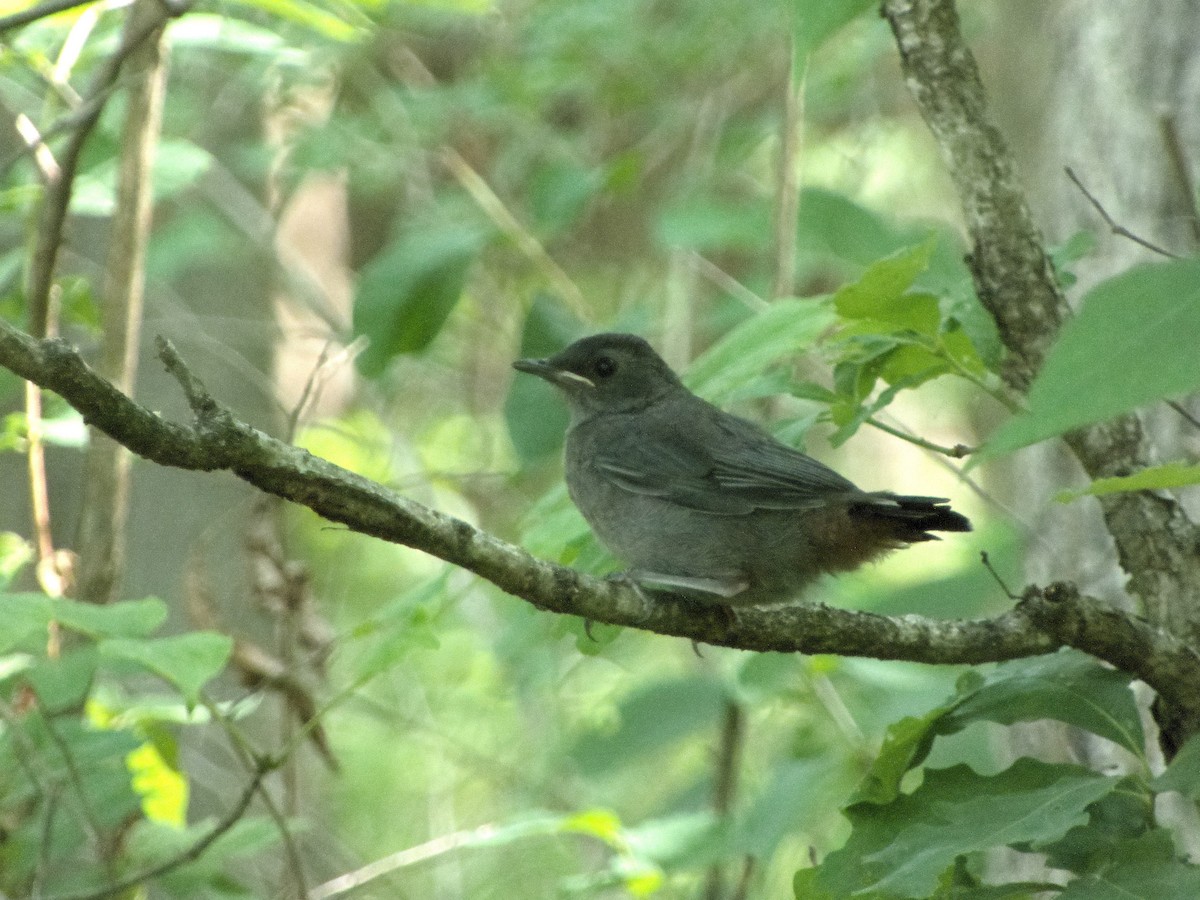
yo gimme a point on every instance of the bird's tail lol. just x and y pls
(911, 518)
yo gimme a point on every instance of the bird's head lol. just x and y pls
(605, 373)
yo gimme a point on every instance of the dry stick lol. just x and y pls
(1116, 229)
(102, 526)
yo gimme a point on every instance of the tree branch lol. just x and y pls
(219, 441)
(1041, 623)
(1015, 281)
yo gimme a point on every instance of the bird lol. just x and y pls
(706, 504)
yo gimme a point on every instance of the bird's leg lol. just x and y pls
(722, 588)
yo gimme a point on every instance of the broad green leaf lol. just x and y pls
(128, 618)
(24, 614)
(1183, 772)
(162, 787)
(407, 292)
(704, 223)
(795, 796)
(805, 886)
(1154, 478)
(559, 193)
(905, 745)
(783, 330)
(818, 20)
(1133, 342)
(1145, 868)
(187, 661)
(682, 840)
(536, 416)
(177, 165)
(652, 718)
(1125, 814)
(880, 293)
(902, 848)
(1068, 686)
(63, 683)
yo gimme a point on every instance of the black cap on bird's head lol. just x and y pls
(606, 372)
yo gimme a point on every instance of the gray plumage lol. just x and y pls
(697, 500)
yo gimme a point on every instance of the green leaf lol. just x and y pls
(818, 20)
(559, 193)
(536, 417)
(905, 745)
(1154, 478)
(311, 16)
(879, 294)
(63, 683)
(1068, 686)
(902, 848)
(407, 292)
(187, 661)
(781, 331)
(1183, 772)
(652, 718)
(706, 223)
(177, 165)
(24, 614)
(1145, 868)
(1125, 814)
(1132, 343)
(207, 31)
(128, 618)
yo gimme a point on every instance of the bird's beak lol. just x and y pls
(543, 368)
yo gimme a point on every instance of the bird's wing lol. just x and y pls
(721, 464)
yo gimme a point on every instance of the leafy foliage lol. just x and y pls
(521, 174)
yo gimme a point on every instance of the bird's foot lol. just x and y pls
(694, 586)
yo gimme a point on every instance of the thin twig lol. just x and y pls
(733, 737)
(1181, 169)
(1116, 229)
(987, 564)
(726, 282)
(401, 859)
(41, 11)
(1184, 414)
(496, 210)
(194, 852)
(958, 451)
(58, 193)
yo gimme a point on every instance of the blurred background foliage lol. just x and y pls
(461, 183)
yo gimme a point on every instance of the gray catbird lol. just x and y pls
(706, 503)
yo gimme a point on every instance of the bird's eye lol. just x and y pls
(604, 366)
